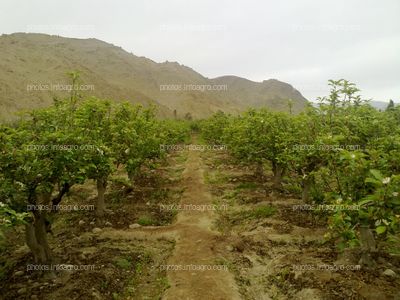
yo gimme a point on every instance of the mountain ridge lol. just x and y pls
(34, 58)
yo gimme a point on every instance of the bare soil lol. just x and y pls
(267, 253)
(254, 234)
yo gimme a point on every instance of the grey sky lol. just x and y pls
(302, 42)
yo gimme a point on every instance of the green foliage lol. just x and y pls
(256, 137)
(146, 221)
(390, 105)
(123, 263)
(68, 144)
(342, 153)
(49, 150)
(264, 211)
(175, 131)
(212, 129)
(10, 218)
(247, 186)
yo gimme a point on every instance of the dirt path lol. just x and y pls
(195, 246)
(195, 242)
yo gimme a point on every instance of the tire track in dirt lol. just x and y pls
(195, 241)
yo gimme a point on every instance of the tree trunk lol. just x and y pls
(259, 170)
(65, 189)
(101, 189)
(36, 249)
(368, 246)
(307, 183)
(36, 239)
(278, 171)
(36, 230)
(41, 235)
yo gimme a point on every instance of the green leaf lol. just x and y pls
(377, 174)
(373, 181)
(365, 202)
(380, 229)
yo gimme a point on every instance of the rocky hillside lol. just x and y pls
(34, 67)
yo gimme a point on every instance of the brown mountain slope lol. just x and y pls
(29, 62)
(269, 93)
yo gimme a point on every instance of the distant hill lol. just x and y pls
(379, 105)
(29, 62)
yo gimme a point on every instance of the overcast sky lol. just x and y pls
(302, 42)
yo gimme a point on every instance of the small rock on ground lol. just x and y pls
(97, 230)
(133, 226)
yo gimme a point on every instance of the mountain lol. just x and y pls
(379, 105)
(34, 68)
(269, 93)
